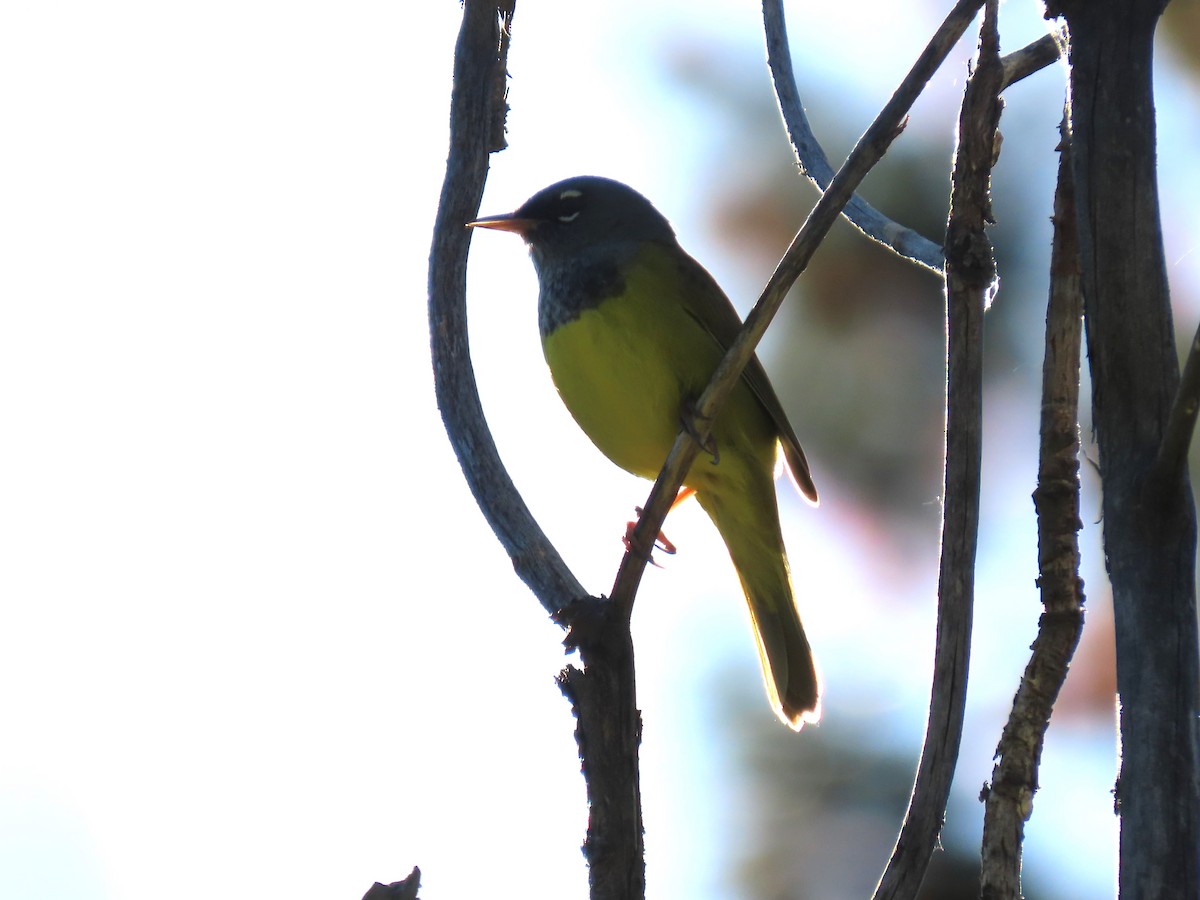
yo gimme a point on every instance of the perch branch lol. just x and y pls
(1008, 801)
(868, 151)
(970, 282)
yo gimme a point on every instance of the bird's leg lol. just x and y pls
(661, 542)
(688, 417)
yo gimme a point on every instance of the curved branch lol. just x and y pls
(868, 151)
(602, 693)
(476, 105)
(814, 163)
(970, 281)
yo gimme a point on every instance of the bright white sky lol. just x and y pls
(257, 639)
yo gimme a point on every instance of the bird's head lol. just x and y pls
(576, 217)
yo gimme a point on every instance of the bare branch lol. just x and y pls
(603, 695)
(1033, 57)
(868, 151)
(814, 163)
(608, 733)
(811, 157)
(970, 282)
(477, 69)
(1009, 798)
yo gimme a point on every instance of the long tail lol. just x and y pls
(750, 529)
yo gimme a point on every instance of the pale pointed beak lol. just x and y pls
(508, 222)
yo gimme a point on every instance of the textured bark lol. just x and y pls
(1149, 517)
(1008, 800)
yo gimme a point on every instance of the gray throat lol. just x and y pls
(569, 288)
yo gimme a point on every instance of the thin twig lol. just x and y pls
(813, 162)
(868, 151)
(1181, 424)
(1008, 800)
(970, 282)
(1033, 57)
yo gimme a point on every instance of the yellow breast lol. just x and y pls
(626, 368)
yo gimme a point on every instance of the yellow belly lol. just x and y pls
(626, 369)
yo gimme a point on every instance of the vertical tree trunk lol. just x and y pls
(1149, 517)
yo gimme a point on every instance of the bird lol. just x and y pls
(632, 329)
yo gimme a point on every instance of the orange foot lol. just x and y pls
(661, 542)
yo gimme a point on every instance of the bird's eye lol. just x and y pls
(570, 205)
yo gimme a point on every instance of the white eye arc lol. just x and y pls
(569, 199)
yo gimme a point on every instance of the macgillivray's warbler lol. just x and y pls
(633, 329)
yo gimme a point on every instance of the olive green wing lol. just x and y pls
(704, 300)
